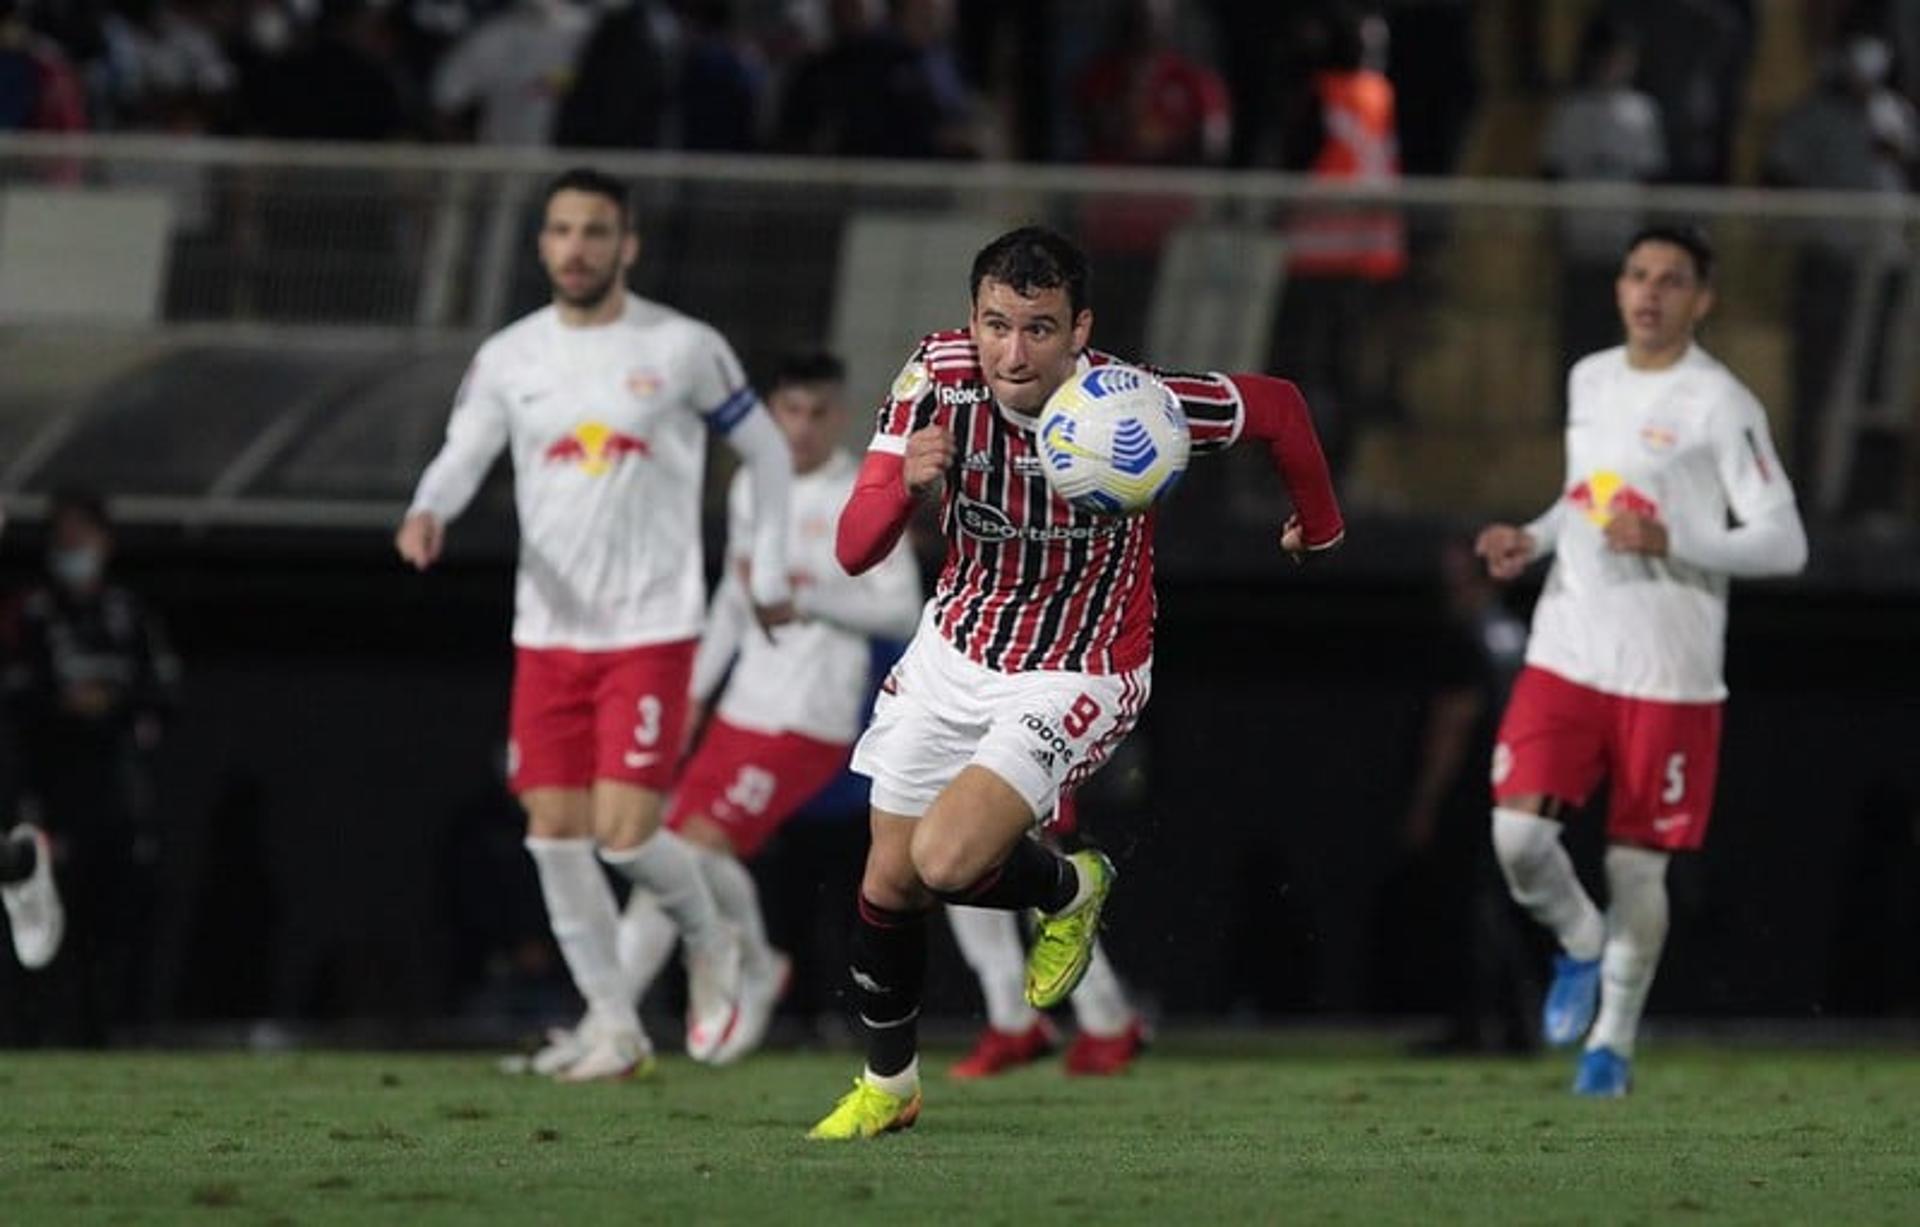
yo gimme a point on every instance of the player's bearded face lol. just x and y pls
(1028, 343)
(586, 248)
(1660, 296)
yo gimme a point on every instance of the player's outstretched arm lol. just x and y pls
(1277, 415)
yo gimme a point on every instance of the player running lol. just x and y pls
(1033, 659)
(786, 721)
(1672, 489)
(604, 401)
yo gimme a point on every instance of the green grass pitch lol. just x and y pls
(1256, 1130)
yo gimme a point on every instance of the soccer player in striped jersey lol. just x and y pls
(1033, 659)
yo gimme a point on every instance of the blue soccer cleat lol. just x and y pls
(1604, 1074)
(1572, 999)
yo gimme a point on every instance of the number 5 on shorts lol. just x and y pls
(1676, 780)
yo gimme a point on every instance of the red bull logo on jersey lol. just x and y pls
(595, 447)
(1605, 494)
(643, 382)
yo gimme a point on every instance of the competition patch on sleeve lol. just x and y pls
(911, 383)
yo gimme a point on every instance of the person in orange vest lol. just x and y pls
(1339, 256)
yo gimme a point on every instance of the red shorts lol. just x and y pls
(748, 783)
(578, 717)
(1559, 738)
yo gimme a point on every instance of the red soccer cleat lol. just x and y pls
(1107, 1054)
(999, 1051)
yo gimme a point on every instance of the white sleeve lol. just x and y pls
(1545, 530)
(769, 462)
(477, 432)
(718, 391)
(463, 74)
(1769, 538)
(881, 603)
(727, 620)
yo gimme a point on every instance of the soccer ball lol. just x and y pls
(1113, 439)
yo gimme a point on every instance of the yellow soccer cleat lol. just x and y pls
(1063, 944)
(866, 1112)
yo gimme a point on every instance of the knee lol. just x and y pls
(943, 864)
(889, 882)
(1522, 841)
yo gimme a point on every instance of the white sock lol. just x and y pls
(904, 1083)
(1541, 878)
(989, 939)
(665, 866)
(646, 941)
(1100, 1003)
(738, 901)
(1636, 931)
(580, 910)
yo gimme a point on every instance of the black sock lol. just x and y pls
(18, 859)
(889, 974)
(1033, 875)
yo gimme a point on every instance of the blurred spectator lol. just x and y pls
(1340, 256)
(720, 82)
(621, 93)
(1602, 130)
(89, 682)
(164, 69)
(1436, 85)
(1694, 56)
(887, 92)
(1851, 133)
(1140, 102)
(39, 89)
(344, 83)
(1259, 55)
(505, 80)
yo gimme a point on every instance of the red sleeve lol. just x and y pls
(875, 515)
(1277, 414)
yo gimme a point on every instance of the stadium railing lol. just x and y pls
(313, 305)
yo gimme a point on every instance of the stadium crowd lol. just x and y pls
(1134, 81)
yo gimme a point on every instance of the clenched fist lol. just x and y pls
(929, 455)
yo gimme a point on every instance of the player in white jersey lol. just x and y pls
(1672, 489)
(604, 402)
(785, 724)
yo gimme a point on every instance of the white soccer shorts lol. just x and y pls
(1041, 732)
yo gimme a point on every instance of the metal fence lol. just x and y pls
(344, 283)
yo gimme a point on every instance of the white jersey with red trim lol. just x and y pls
(810, 677)
(1031, 582)
(1688, 446)
(607, 428)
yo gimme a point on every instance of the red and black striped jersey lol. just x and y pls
(1030, 581)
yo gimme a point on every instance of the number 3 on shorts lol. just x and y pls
(1080, 716)
(1676, 780)
(647, 730)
